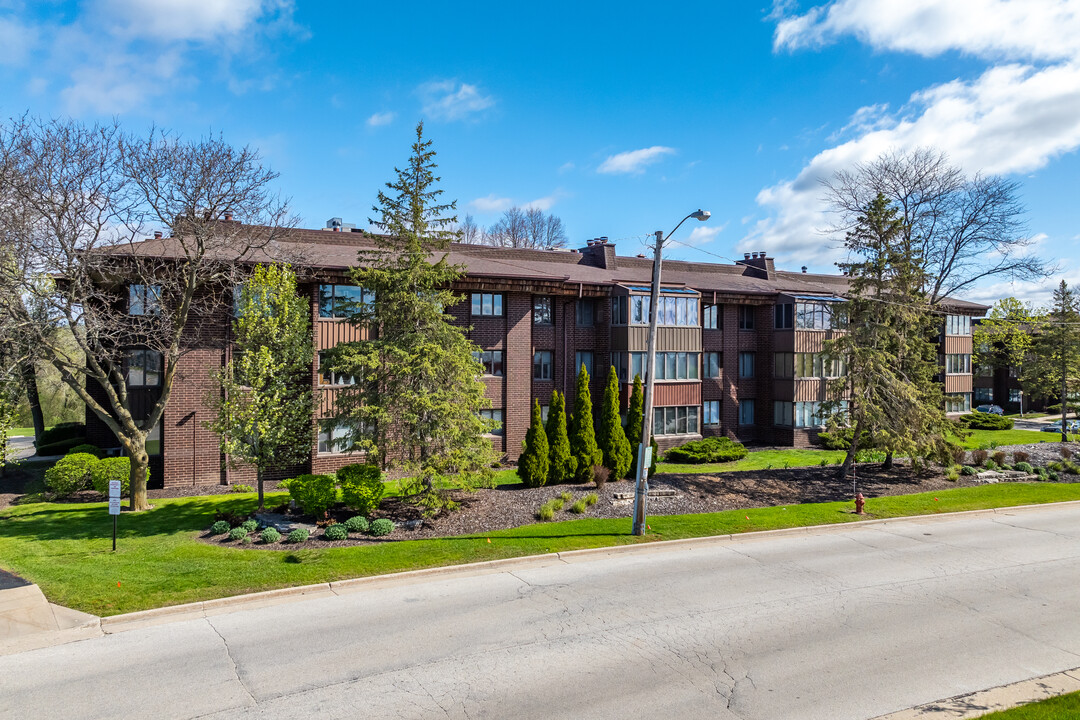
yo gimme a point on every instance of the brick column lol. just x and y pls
(517, 410)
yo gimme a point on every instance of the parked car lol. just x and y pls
(991, 409)
(1071, 427)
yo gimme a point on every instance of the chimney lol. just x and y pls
(228, 216)
(759, 265)
(746, 256)
(157, 234)
(804, 269)
(334, 224)
(641, 256)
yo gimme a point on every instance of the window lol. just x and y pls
(784, 317)
(746, 317)
(492, 360)
(957, 364)
(329, 376)
(816, 316)
(986, 395)
(487, 304)
(495, 416)
(335, 437)
(782, 413)
(144, 300)
(618, 309)
(583, 357)
(712, 365)
(808, 414)
(153, 440)
(746, 412)
(144, 368)
(544, 409)
(675, 420)
(1014, 372)
(957, 325)
(984, 370)
(639, 310)
(710, 410)
(783, 364)
(586, 313)
(682, 312)
(814, 365)
(960, 403)
(542, 365)
(746, 364)
(676, 365)
(711, 319)
(542, 313)
(338, 301)
(637, 366)
(1015, 395)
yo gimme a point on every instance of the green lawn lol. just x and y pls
(760, 460)
(502, 477)
(21, 431)
(65, 547)
(987, 438)
(1055, 708)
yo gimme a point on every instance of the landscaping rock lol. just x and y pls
(282, 523)
(413, 524)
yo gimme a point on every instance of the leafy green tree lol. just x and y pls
(887, 348)
(418, 395)
(265, 407)
(1054, 368)
(562, 463)
(611, 437)
(582, 433)
(635, 417)
(1005, 337)
(535, 460)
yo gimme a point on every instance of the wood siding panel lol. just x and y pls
(813, 340)
(668, 339)
(329, 333)
(674, 394)
(958, 344)
(958, 383)
(810, 389)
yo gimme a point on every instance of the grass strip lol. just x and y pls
(1055, 708)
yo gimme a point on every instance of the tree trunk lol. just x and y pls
(849, 459)
(259, 482)
(29, 378)
(140, 463)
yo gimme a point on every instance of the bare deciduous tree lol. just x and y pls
(470, 232)
(78, 200)
(529, 228)
(962, 229)
(544, 230)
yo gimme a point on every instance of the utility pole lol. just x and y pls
(644, 452)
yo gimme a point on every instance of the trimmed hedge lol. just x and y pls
(707, 450)
(60, 447)
(87, 448)
(70, 474)
(62, 432)
(361, 487)
(315, 494)
(112, 468)
(985, 421)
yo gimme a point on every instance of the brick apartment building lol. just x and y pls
(738, 346)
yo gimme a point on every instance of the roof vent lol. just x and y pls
(228, 216)
(746, 256)
(334, 224)
(157, 234)
(641, 256)
(603, 239)
(804, 269)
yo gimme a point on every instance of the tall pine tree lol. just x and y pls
(562, 463)
(611, 436)
(535, 460)
(635, 417)
(1055, 364)
(582, 431)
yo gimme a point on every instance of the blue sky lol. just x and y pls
(619, 118)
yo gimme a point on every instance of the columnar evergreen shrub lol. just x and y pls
(611, 436)
(635, 416)
(535, 460)
(111, 468)
(362, 487)
(315, 494)
(582, 432)
(562, 464)
(71, 473)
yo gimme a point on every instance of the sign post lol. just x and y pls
(114, 507)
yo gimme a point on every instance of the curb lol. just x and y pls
(1003, 697)
(206, 608)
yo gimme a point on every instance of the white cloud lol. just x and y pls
(491, 204)
(544, 203)
(450, 100)
(1045, 30)
(566, 167)
(380, 118)
(634, 161)
(118, 82)
(703, 234)
(186, 19)
(16, 41)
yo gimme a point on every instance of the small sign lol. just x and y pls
(114, 488)
(114, 506)
(648, 457)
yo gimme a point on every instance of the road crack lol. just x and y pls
(235, 667)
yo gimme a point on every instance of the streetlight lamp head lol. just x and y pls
(701, 215)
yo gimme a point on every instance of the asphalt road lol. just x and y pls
(848, 623)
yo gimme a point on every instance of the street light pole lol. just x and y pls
(644, 452)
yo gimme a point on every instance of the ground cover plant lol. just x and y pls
(758, 460)
(65, 547)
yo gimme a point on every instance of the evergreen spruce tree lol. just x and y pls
(1055, 364)
(611, 436)
(535, 460)
(635, 416)
(655, 454)
(582, 432)
(562, 463)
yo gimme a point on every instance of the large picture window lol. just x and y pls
(144, 299)
(957, 325)
(814, 365)
(817, 316)
(957, 364)
(676, 366)
(144, 368)
(487, 304)
(338, 301)
(958, 403)
(670, 311)
(675, 420)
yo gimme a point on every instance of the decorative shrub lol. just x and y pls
(313, 493)
(546, 512)
(246, 540)
(361, 487)
(336, 532)
(968, 470)
(990, 465)
(956, 452)
(578, 507)
(999, 457)
(86, 448)
(250, 525)
(61, 447)
(978, 457)
(357, 524)
(382, 526)
(985, 421)
(1024, 467)
(241, 488)
(1021, 457)
(1051, 476)
(298, 535)
(1071, 467)
(591, 499)
(707, 450)
(270, 535)
(566, 496)
(1066, 453)
(534, 463)
(952, 475)
(1055, 409)
(557, 503)
(238, 533)
(70, 474)
(601, 475)
(219, 528)
(66, 431)
(111, 468)
(1041, 472)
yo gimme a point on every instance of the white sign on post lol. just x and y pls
(114, 506)
(114, 488)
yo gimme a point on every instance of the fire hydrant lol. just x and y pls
(859, 502)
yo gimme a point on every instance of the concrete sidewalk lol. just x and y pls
(29, 621)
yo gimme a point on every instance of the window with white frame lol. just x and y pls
(746, 412)
(957, 325)
(676, 366)
(746, 364)
(496, 416)
(329, 376)
(711, 317)
(144, 299)
(671, 311)
(639, 309)
(957, 364)
(487, 305)
(808, 414)
(676, 420)
(959, 403)
(542, 365)
(335, 437)
(143, 368)
(712, 365)
(816, 316)
(710, 411)
(492, 360)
